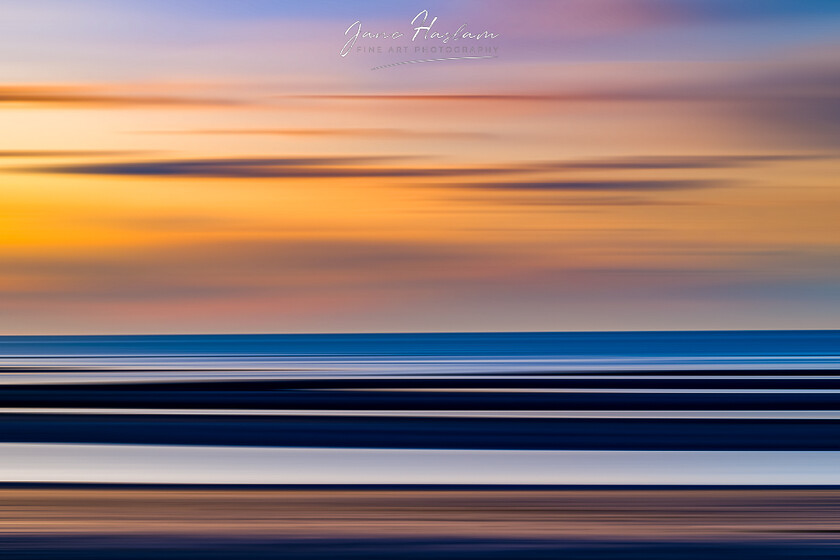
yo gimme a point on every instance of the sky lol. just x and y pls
(220, 167)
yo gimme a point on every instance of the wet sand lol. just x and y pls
(65, 522)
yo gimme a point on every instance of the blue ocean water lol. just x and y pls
(547, 408)
(32, 359)
(709, 344)
(476, 445)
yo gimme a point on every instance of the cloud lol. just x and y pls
(790, 100)
(223, 167)
(432, 97)
(359, 167)
(231, 268)
(680, 162)
(588, 186)
(260, 168)
(22, 154)
(91, 97)
(559, 202)
(581, 95)
(335, 132)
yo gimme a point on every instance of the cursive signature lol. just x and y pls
(422, 30)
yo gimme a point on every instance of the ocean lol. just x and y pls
(640, 440)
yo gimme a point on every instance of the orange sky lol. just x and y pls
(256, 181)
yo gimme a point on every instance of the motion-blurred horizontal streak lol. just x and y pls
(640, 414)
(222, 465)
